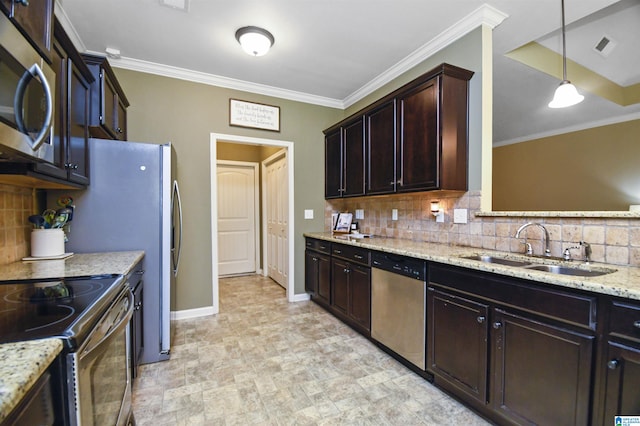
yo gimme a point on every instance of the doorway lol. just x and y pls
(288, 246)
(238, 220)
(275, 217)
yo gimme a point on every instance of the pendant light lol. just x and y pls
(254, 40)
(566, 94)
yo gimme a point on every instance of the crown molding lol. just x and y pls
(64, 20)
(484, 15)
(220, 81)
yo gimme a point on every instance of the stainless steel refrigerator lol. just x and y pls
(133, 203)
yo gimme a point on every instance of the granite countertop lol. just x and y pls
(78, 265)
(21, 365)
(624, 282)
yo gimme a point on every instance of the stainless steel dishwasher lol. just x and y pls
(398, 301)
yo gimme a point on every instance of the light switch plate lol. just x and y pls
(459, 215)
(394, 214)
(308, 214)
(359, 214)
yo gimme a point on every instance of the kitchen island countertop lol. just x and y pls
(78, 265)
(21, 365)
(624, 282)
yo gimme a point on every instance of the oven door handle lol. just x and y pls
(34, 71)
(105, 332)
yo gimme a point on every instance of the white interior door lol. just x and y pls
(276, 205)
(237, 217)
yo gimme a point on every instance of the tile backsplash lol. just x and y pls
(613, 240)
(16, 205)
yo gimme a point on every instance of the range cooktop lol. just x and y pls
(65, 308)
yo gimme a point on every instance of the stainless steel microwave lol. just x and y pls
(26, 99)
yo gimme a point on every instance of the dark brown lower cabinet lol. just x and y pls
(622, 396)
(541, 372)
(351, 291)
(457, 339)
(318, 276)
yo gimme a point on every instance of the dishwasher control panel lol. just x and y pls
(407, 266)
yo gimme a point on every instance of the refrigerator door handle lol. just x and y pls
(176, 252)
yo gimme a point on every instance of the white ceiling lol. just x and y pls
(334, 52)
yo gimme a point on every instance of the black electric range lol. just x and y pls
(67, 308)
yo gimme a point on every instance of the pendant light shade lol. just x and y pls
(254, 40)
(566, 94)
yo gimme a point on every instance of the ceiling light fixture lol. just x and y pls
(566, 94)
(254, 40)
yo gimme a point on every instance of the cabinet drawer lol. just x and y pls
(624, 320)
(355, 254)
(318, 245)
(574, 308)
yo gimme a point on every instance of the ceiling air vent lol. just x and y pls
(605, 46)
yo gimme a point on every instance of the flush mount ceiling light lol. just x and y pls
(254, 40)
(566, 94)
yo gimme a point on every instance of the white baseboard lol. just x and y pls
(192, 313)
(300, 297)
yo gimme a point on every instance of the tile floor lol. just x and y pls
(264, 361)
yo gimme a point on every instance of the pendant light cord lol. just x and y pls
(564, 48)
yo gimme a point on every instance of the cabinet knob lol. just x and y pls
(613, 364)
(22, 2)
(636, 324)
(346, 270)
(497, 325)
(480, 319)
(119, 130)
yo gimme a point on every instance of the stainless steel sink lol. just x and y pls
(499, 260)
(577, 270)
(568, 270)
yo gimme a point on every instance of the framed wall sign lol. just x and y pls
(253, 115)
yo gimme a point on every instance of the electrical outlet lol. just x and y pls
(459, 215)
(394, 214)
(308, 214)
(359, 214)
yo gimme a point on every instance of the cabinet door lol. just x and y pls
(35, 21)
(381, 149)
(622, 381)
(542, 373)
(418, 159)
(333, 165)
(57, 169)
(310, 272)
(353, 159)
(121, 124)
(457, 342)
(360, 295)
(78, 115)
(137, 329)
(109, 102)
(340, 285)
(324, 278)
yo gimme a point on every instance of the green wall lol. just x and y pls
(185, 113)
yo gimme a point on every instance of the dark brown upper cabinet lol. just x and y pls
(345, 160)
(71, 119)
(416, 137)
(34, 19)
(108, 102)
(381, 149)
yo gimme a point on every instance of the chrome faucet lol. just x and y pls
(582, 244)
(545, 237)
